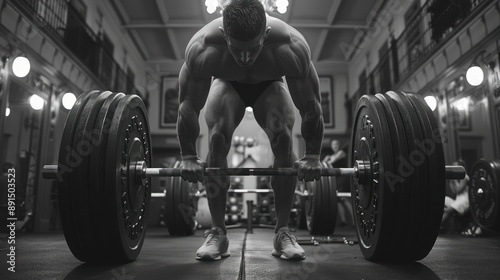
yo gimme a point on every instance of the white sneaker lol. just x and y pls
(216, 245)
(286, 246)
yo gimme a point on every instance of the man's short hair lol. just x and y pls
(244, 19)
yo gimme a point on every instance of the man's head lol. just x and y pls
(244, 28)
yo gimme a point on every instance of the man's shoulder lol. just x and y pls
(204, 49)
(208, 35)
(289, 47)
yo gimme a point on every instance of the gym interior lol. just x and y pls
(426, 72)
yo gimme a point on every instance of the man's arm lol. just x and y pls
(305, 95)
(193, 92)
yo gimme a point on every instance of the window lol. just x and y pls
(414, 34)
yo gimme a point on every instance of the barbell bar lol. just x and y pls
(360, 170)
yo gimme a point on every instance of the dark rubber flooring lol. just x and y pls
(46, 256)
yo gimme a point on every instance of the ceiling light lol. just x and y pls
(7, 111)
(281, 6)
(270, 5)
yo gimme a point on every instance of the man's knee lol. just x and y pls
(219, 144)
(282, 146)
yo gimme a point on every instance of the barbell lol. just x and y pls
(397, 172)
(361, 171)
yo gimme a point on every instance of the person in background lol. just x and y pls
(338, 159)
(460, 205)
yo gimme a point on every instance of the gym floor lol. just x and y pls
(46, 256)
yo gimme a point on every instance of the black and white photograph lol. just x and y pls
(169, 104)
(249, 139)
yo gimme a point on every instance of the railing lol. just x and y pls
(426, 30)
(62, 22)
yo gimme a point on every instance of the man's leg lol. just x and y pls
(224, 111)
(275, 113)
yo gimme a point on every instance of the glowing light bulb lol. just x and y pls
(211, 9)
(68, 100)
(281, 9)
(431, 102)
(474, 75)
(36, 102)
(21, 66)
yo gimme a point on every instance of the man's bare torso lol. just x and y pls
(285, 53)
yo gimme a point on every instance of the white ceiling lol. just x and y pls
(161, 29)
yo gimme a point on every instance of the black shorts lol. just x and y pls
(249, 93)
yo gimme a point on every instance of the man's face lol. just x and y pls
(246, 52)
(335, 146)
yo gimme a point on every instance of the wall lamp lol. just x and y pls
(68, 100)
(21, 66)
(431, 101)
(475, 73)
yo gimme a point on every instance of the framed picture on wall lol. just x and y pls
(461, 118)
(169, 101)
(326, 91)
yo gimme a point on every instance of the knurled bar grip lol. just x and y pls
(214, 172)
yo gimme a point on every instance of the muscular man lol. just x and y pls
(238, 61)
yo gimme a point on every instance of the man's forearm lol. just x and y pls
(312, 127)
(188, 129)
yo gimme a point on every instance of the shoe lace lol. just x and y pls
(286, 238)
(212, 240)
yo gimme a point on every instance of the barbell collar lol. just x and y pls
(455, 172)
(49, 171)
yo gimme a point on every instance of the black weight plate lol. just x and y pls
(432, 149)
(395, 181)
(99, 207)
(180, 212)
(373, 200)
(83, 143)
(321, 211)
(438, 174)
(127, 200)
(66, 163)
(416, 179)
(484, 196)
